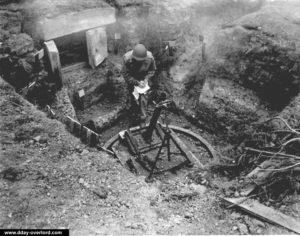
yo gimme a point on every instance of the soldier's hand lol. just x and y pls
(142, 84)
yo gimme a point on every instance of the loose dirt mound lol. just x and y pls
(262, 52)
(258, 51)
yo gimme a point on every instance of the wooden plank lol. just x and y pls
(96, 45)
(184, 149)
(247, 190)
(122, 156)
(266, 213)
(54, 61)
(132, 143)
(76, 22)
(206, 145)
(260, 170)
(74, 126)
(39, 55)
(73, 67)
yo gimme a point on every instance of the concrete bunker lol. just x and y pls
(77, 38)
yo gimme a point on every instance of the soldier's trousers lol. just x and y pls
(138, 109)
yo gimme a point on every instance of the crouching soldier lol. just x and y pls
(138, 69)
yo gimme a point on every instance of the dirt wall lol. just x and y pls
(262, 52)
(17, 62)
(251, 72)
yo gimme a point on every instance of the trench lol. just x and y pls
(103, 110)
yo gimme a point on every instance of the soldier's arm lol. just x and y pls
(126, 74)
(151, 70)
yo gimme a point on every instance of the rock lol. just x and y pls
(40, 139)
(78, 149)
(100, 191)
(188, 215)
(43, 139)
(81, 181)
(235, 228)
(127, 225)
(19, 44)
(12, 174)
(37, 138)
(235, 215)
(30, 58)
(84, 152)
(198, 188)
(3, 35)
(236, 194)
(259, 223)
(243, 228)
(228, 193)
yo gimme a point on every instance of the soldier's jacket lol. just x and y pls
(135, 72)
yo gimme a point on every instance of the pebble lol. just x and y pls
(84, 152)
(228, 193)
(243, 228)
(101, 192)
(188, 215)
(81, 180)
(258, 223)
(234, 228)
(236, 194)
(37, 138)
(235, 215)
(127, 225)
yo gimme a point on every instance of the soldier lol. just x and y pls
(138, 69)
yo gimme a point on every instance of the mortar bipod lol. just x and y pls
(166, 136)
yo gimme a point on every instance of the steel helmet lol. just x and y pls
(139, 52)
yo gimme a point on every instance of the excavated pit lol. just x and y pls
(218, 98)
(103, 110)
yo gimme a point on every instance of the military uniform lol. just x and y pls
(133, 72)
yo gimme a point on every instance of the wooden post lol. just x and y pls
(96, 45)
(54, 61)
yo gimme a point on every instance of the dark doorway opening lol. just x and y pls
(72, 49)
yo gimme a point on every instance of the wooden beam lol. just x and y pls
(73, 67)
(97, 46)
(54, 61)
(266, 213)
(185, 150)
(76, 22)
